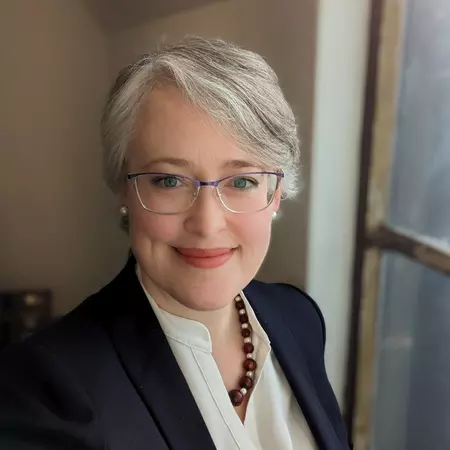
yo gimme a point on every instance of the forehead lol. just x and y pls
(170, 126)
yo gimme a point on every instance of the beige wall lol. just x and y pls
(57, 219)
(58, 223)
(284, 33)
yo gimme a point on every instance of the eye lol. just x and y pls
(166, 181)
(244, 183)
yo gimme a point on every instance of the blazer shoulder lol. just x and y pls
(69, 343)
(42, 399)
(294, 303)
(46, 383)
(301, 295)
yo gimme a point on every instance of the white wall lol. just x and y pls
(56, 225)
(340, 81)
(284, 33)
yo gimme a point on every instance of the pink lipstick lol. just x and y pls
(210, 258)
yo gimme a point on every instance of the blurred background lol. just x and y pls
(369, 81)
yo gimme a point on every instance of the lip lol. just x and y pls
(205, 258)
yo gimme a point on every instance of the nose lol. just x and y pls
(207, 216)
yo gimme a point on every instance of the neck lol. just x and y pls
(221, 323)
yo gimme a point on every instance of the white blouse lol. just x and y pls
(273, 421)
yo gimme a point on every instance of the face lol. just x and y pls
(174, 137)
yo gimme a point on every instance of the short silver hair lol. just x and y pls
(234, 86)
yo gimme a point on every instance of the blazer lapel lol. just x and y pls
(148, 359)
(291, 360)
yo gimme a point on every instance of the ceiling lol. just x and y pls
(117, 14)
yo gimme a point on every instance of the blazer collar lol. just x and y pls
(146, 356)
(148, 359)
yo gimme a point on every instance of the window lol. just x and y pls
(399, 397)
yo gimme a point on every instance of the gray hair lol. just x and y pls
(235, 87)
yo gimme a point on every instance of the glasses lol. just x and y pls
(168, 193)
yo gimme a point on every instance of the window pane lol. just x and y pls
(412, 400)
(420, 183)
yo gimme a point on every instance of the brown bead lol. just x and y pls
(250, 364)
(243, 318)
(246, 332)
(248, 347)
(240, 304)
(246, 382)
(236, 397)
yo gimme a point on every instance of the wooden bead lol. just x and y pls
(240, 305)
(246, 382)
(248, 347)
(246, 332)
(250, 364)
(236, 397)
(243, 318)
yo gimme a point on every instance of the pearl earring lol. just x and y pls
(274, 215)
(123, 211)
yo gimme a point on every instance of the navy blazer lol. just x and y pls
(104, 376)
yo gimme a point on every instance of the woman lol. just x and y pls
(183, 350)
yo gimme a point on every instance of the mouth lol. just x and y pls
(205, 258)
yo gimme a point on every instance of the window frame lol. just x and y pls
(373, 235)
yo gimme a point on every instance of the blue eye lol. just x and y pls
(243, 183)
(166, 181)
(170, 181)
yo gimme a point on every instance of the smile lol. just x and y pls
(205, 258)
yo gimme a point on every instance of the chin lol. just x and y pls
(200, 289)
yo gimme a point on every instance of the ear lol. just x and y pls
(276, 200)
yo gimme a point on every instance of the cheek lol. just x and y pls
(153, 227)
(254, 232)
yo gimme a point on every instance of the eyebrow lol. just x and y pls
(240, 164)
(182, 162)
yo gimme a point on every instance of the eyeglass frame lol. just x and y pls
(133, 177)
